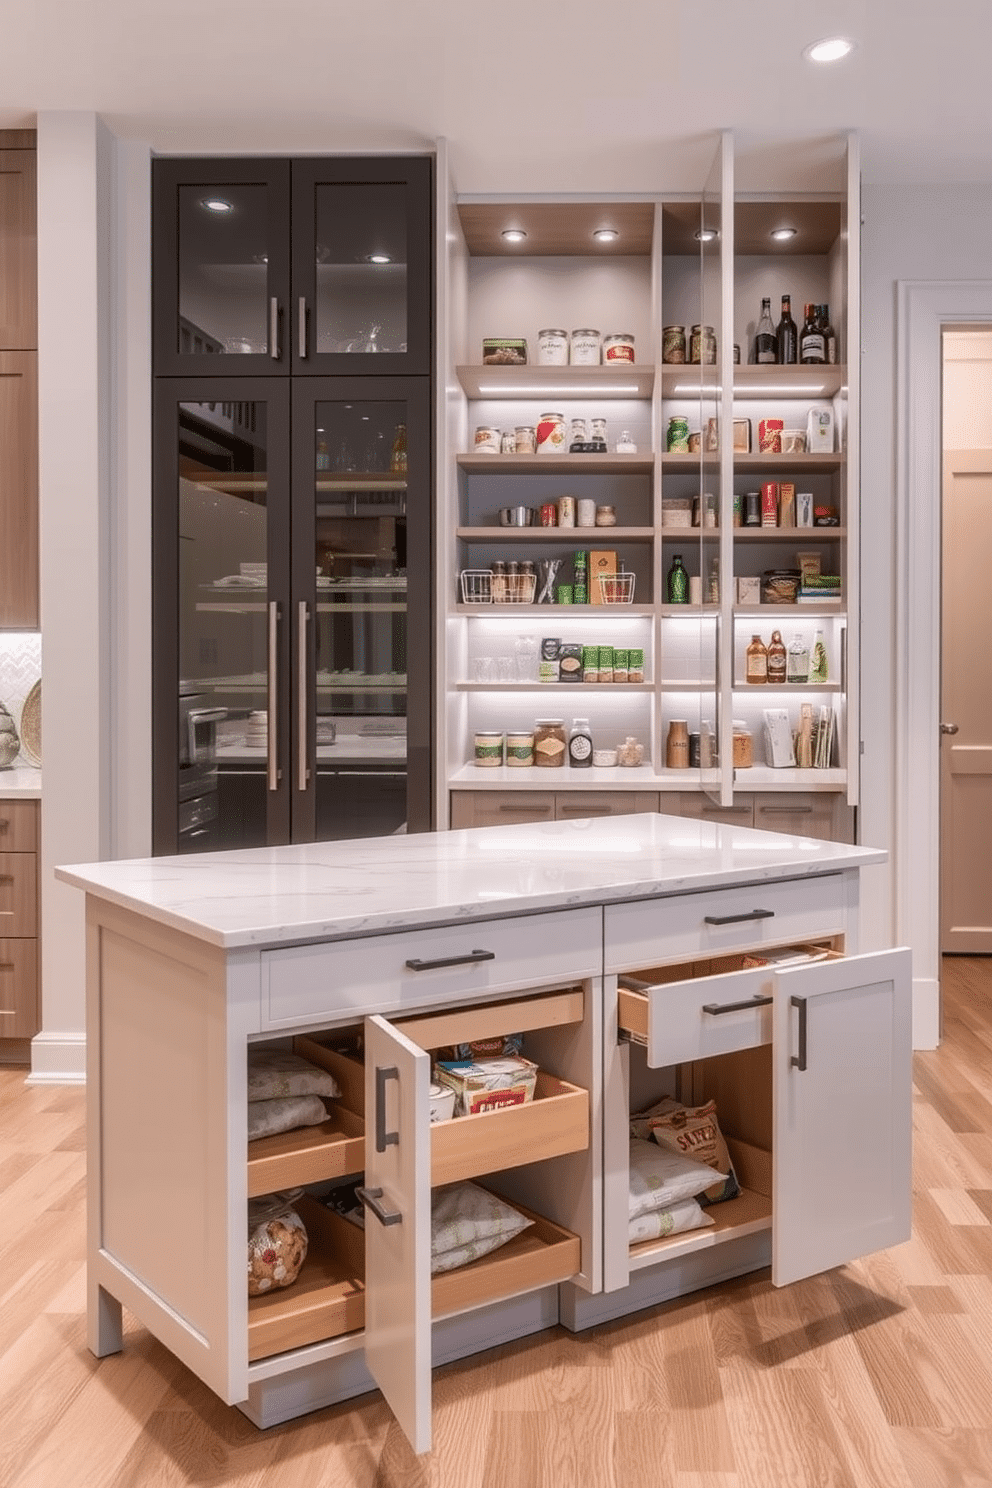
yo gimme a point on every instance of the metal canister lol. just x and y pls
(566, 511)
(752, 508)
(549, 514)
(673, 344)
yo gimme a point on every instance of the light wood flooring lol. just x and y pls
(878, 1375)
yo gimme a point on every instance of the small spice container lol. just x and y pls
(488, 749)
(586, 348)
(743, 752)
(550, 743)
(519, 748)
(552, 348)
(673, 345)
(618, 348)
(525, 439)
(606, 516)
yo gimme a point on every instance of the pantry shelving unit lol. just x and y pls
(658, 272)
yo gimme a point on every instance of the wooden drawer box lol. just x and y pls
(18, 894)
(306, 984)
(328, 1297)
(18, 826)
(707, 924)
(18, 988)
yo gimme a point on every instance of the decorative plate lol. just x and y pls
(31, 726)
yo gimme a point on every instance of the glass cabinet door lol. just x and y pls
(360, 618)
(362, 266)
(221, 266)
(221, 544)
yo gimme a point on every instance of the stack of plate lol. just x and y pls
(257, 732)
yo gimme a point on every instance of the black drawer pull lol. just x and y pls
(370, 1197)
(752, 914)
(787, 810)
(417, 965)
(716, 1008)
(799, 1061)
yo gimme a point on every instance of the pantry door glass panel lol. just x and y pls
(361, 626)
(221, 267)
(221, 573)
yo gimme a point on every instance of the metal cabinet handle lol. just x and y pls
(302, 768)
(948, 728)
(274, 328)
(303, 326)
(467, 960)
(799, 1060)
(272, 729)
(370, 1197)
(632, 984)
(384, 1138)
(716, 1008)
(786, 810)
(726, 810)
(752, 914)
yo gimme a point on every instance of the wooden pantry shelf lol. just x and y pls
(580, 611)
(628, 380)
(789, 534)
(557, 465)
(752, 381)
(591, 536)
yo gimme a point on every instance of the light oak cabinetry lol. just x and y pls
(18, 382)
(18, 919)
(620, 960)
(18, 241)
(500, 808)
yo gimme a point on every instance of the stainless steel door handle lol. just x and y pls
(272, 721)
(948, 728)
(302, 768)
(303, 326)
(274, 328)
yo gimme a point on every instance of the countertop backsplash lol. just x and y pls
(20, 668)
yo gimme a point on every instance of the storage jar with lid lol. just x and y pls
(585, 348)
(702, 345)
(550, 743)
(519, 748)
(673, 344)
(743, 751)
(552, 348)
(551, 434)
(580, 744)
(677, 745)
(618, 348)
(488, 748)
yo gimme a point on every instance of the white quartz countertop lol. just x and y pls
(274, 896)
(20, 783)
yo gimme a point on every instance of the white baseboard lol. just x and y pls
(58, 1059)
(926, 1013)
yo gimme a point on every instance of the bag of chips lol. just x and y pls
(693, 1131)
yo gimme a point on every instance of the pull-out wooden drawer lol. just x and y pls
(18, 894)
(690, 925)
(455, 963)
(18, 988)
(18, 826)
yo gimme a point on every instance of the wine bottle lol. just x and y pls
(787, 334)
(811, 339)
(397, 462)
(765, 343)
(829, 337)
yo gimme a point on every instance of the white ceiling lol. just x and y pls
(582, 95)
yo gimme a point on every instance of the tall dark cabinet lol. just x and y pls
(292, 521)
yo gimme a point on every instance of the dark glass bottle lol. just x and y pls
(787, 334)
(776, 658)
(829, 336)
(678, 582)
(811, 351)
(765, 344)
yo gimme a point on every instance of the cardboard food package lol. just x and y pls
(487, 1084)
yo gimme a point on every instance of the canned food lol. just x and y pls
(619, 348)
(677, 439)
(673, 344)
(488, 749)
(585, 348)
(566, 511)
(525, 439)
(551, 434)
(486, 440)
(549, 514)
(702, 345)
(552, 348)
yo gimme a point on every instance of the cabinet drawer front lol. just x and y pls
(500, 808)
(652, 931)
(604, 803)
(18, 894)
(18, 826)
(694, 1019)
(308, 983)
(18, 988)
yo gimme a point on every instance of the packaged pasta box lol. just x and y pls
(487, 1084)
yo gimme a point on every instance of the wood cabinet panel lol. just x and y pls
(18, 894)
(500, 808)
(603, 803)
(18, 250)
(806, 814)
(18, 826)
(19, 490)
(18, 989)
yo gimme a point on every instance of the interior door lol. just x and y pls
(842, 1112)
(966, 705)
(397, 1199)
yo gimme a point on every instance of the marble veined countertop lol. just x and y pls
(272, 896)
(20, 783)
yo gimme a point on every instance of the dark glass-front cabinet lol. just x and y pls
(292, 521)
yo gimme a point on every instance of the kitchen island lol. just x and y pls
(632, 953)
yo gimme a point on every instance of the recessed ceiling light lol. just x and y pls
(379, 258)
(513, 234)
(705, 234)
(783, 234)
(831, 49)
(217, 204)
(606, 235)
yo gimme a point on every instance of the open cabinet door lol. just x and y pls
(842, 1112)
(397, 1199)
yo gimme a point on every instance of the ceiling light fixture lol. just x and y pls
(379, 258)
(513, 234)
(606, 235)
(217, 204)
(783, 234)
(831, 49)
(705, 234)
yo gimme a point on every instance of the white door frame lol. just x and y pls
(925, 309)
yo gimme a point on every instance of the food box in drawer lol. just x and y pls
(647, 931)
(442, 965)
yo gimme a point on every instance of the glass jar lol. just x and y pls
(743, 750)
(552, 348)
(519, 748)
(619, 348)
(585, 348)
(550, 743)
(488, 749)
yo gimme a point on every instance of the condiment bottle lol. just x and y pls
(757, 661)
(797, 668)
(677, 745)
(678, 582)
(580, 744)
(818, 660)
(776, 658)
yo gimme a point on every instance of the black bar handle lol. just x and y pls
(799, 1060)
(752, 914)
(369, 1198)
(716, 1008)
(384, 1139)
(417, 965)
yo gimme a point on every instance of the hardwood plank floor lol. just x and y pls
(877, 1375)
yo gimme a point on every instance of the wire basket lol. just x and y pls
(477, 585)
(616, 588)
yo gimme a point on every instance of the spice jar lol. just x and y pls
(677, 745)
(743, 751)
(550, 743)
